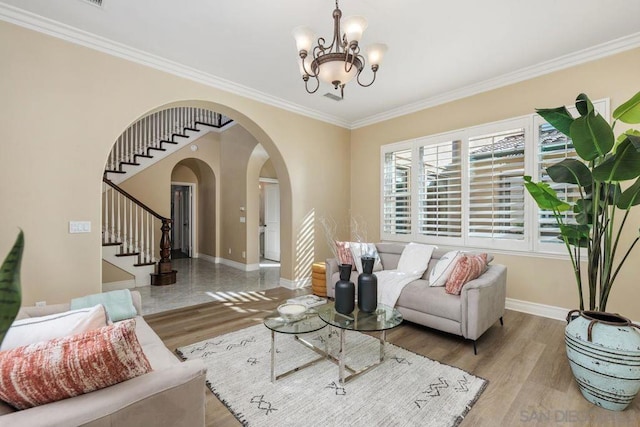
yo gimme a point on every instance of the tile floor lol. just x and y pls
(201, 281)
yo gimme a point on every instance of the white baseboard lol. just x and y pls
(209, 258)
(295, 284)
(239, 265)
(116, 286)
(536, 309)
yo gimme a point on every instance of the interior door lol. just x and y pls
(272, 222)
(181, 214)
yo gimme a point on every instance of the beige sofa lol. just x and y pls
(173, 394)
(480, 304)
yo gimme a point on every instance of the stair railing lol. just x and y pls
(129, 223)
(151, 131)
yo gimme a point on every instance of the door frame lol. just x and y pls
(272, 181)
(192, 220)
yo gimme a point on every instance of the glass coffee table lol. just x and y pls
(309, 322)
(381, 320)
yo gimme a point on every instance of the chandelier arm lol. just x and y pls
(306, 85)
(375, 71)
(348, 63)
(304, 68)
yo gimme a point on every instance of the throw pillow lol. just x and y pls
(119, 304)
(65, 367)
(358, 250)
(467, 268)
(415, 258)
(35, 329)
(343, 250)
(443, 268)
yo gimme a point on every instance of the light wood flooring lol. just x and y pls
(530, 382)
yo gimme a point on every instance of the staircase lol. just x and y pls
(133, 235)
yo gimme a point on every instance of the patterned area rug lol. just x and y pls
(405, 390)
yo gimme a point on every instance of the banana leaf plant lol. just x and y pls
(605, 167)
(10, 294)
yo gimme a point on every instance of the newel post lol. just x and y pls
(165, 275)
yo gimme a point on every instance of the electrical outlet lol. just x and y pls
(243, 219)
(244, 254)
(229, 251)
(41, 303)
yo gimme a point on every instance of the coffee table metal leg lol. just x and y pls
(273, 356)
(383, 341)
(341, 357)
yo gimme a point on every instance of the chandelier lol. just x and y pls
(341, 61)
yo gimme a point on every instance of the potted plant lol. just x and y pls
(600, 345)
(10, 295)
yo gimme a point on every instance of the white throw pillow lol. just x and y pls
(37, 329)
(415, 258)
(359, 250)
(442, 270)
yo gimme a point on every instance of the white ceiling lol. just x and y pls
(438, 50)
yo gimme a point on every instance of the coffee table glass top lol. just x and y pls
(380, 320)
(308, 322)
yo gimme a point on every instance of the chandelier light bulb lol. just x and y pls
(354, 26)
(375, 53)
(304, 38)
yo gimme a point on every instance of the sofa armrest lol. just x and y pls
(174, 396)
(31, 311)
(483, 301)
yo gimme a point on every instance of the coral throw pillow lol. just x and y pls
(344, 253)
(467, 268)
(65, 367)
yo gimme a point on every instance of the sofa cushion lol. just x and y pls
(36, 329)
(65, 367)
(358, 250)
(443, 268)
(419, 296)
(467, 268)
(415, 258)
(158, 355)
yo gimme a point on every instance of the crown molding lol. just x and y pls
(62, 31)
(576, 58)
(65, 32)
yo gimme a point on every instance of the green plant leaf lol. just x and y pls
(545, 196)
(570, 171)
(10, 295)
(584, 105)
(559, 118)
(629, 112)
(630, 197)
(576, 234)
(592, 136)
(583, 209)
(623, 165)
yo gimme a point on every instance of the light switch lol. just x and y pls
(79, 227)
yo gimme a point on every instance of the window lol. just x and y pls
(440, 190)
(468, 187)
(396, 212)
(496, 187)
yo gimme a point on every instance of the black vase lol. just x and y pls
(345, 291)
(367, 287)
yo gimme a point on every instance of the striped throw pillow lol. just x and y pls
(344, 253)
(65, 367)
(467, 268)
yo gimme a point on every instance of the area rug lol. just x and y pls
(407, 389)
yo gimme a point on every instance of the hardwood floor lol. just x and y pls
(530, 383)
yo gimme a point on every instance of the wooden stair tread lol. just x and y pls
(130, 163)
(129, 254)
(112, 171)
(142, 264)
(112, 244)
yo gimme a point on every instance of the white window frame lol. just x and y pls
(530, 243)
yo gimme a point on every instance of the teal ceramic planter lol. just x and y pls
(604, 355)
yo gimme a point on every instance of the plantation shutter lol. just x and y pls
(554, 146)
(496, 187)
(440, 190)
(396, 215)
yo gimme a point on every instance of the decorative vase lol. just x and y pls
(367, 287)
(604, 355)
(345, 291)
